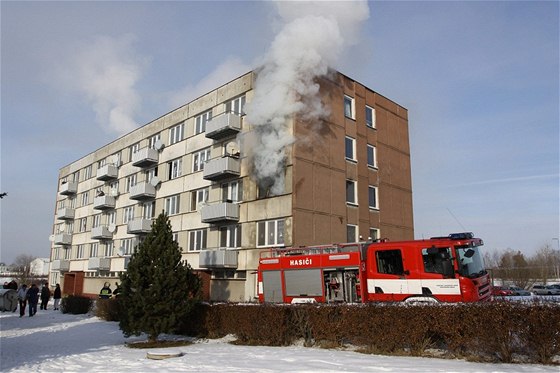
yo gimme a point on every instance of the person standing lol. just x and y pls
(105, 292)
(33, 299)
(45, 296)
(57, 296)
(22, 297)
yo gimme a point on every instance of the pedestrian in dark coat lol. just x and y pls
(45, 296)
(33, 299)
(57, 296)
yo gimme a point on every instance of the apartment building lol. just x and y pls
(347, 180)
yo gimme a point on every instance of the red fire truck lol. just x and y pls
(440, 269)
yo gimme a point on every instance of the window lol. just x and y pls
(372, 197)
(438, 260)
(76, 176)
(148, 209)
(176, 133)
(87, 172)
(114, 187)
(270, 232)
(128, 214)
(350, 148)
(351, 192)
(108, 249)
(232, 191)
(67, 253)
(200, 122)
(389, 262)
(230, 236)
(351, 233)
(371, 156)
(153, 139)
(56, 253)
(93, 248)
(370, 117)
(128, 246)
(85, 198)
(80, 251)
(175, 236)
(83, 225)
(236, 106)
(130, 182)
(151, 173)
(374, 234)
(71, 202)
(112, 217)
(197, 240)
(102, 163)
(349, 107)
(172, 205)
(133, 149)
(199, 196)
(175, 168)
(200, 158)
(96, 222)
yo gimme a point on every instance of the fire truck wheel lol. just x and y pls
(421, 300)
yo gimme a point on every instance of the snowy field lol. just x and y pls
(55, 342)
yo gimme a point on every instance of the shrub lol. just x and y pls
(76, 304)
(108, 309)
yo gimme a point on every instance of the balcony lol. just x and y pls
(104, 202)
(139, 226)
(218, 258)
(99, 264)
(220, 212)
(107, 172)
(101, 233)
(220, 168)
(142, 191)
(55, 265)
(63, 239)
(65, 213)
(223, 125)
(145, 157)
(69, 188)
(64, 266)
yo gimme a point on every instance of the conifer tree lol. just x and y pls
(158, 289)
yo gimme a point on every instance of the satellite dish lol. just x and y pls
(155, 181)
(114, 192)
(115, 159)
(232, 148)
(159, 145)
(51, 238)
(112, 228)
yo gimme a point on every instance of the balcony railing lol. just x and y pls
(104, 202)
(64, 266)
(221, 168)
(142, 191)
(100, 264)
(218, 258)
(223, 125)
(107, 172)
(63, 239)
(65, 213)
(101, 233)
(139, 225)
(145, 157)
(223, 211)
(68, 188)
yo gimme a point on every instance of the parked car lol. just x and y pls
(519, 291)
(546, 290)
(501, 291)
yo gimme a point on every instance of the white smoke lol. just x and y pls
(105, 71)
(312, 39)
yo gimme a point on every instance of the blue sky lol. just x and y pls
(480, 81)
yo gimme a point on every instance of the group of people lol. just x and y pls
(31, 296)
(106, 292)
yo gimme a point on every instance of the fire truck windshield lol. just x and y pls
(470, 261)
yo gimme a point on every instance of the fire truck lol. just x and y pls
(439, 269)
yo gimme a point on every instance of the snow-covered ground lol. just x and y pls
(55, 342)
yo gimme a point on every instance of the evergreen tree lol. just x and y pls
(158, 289)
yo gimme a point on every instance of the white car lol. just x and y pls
(546, 289)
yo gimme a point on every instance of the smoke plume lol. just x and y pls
(312, 39)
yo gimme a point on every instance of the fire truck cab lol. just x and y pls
(441, 269)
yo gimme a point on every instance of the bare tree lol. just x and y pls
(22, 265)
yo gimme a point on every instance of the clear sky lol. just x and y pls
(480, 81)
